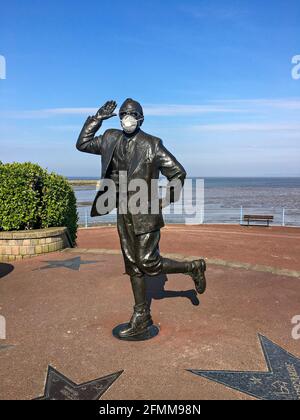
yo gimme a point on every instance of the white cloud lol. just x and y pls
(163, 110)
(172, 110)
(241, 127)
(208, 11)
(65, 128)
(235, 106)
(282, 103)
(46, 113)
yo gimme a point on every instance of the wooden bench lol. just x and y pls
(258, 218)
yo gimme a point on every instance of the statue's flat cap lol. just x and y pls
(131, 105)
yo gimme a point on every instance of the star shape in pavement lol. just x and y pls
(59, 387)
(280, 382)
(72, 264)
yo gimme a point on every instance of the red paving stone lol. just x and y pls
(64, 318)
(275, 246)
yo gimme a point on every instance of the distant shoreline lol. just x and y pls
(94, 181)
(83, 181)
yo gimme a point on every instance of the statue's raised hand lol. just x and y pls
(106, 111)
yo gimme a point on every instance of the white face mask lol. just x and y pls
(129, 123)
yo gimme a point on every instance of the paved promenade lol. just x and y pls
(60, 310)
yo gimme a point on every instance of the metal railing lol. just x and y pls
(211, 215)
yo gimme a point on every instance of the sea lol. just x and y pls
(223, 200)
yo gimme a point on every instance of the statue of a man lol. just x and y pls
(140, 156)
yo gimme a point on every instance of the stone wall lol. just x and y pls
(17, 245)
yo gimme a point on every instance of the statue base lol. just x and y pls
(151, 332)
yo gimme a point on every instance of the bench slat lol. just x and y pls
(258, 217)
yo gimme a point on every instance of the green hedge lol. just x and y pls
(33, 198)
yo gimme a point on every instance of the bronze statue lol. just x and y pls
(140, 156)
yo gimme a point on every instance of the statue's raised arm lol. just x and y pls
(87, 142)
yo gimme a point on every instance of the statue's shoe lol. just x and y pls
(141, 320)
(198, 275)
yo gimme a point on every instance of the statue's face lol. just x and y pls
(131, 120)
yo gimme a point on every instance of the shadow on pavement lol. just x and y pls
(156, 290)
(5, 269)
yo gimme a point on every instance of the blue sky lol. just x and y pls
(214, 76)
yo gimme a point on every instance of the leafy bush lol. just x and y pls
(33, 198)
